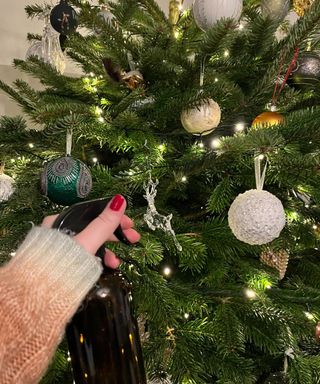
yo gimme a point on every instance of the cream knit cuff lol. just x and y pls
(66, 266)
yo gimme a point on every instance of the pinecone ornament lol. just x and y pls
(276, 259)
(300, 6)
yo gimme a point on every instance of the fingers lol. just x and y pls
(132, 235)
(101, 229)
(48, 221)
(111, 260)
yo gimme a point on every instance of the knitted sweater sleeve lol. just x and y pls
(40, 289)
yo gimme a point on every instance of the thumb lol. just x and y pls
(101, 229)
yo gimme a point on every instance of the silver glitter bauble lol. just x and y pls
(256, 217)
(207, 12)
(276, 9)
(202, 119)
(6, 187)
(306, 75)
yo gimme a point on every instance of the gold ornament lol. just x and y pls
(267, 119)
(133, 79)
(300, 6)
(276, 259)
(174, 11)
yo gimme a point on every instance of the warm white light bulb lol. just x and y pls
(31, 145)
(215, 143)
(314, 226)
(183, 179)
(201, 145)
(95, 160)
(91, 74)
(309, 315)
(250, 293)
(239, 127)
(226, 53)
(216, 80)
(186, 315)
(167, 271)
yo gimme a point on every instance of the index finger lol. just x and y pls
(101, 229)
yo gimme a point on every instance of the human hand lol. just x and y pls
(102, 228)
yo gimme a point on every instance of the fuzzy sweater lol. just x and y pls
(40, 289)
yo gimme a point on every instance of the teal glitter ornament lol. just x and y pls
(66, 180)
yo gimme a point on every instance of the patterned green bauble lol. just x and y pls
(66, 180)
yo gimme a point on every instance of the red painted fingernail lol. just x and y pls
(116, 203)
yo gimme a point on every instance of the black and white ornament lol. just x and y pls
(64, 18)
(207, 12)
(256, 217)
(6, 185)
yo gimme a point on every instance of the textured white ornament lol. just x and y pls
(256, 217)
(6, 187)
(203, 119)
(207, 12)
(286, 25)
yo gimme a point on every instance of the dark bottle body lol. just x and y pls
(103, 335)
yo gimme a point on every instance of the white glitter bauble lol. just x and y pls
(6, 187)
(256, 217)
(203, 119)
(207, 12)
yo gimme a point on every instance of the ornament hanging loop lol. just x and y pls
(288, 353)
(69, 142)
(260, 177)
(202, 69)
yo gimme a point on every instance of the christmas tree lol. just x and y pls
(177, 113)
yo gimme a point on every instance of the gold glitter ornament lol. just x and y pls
(276, 259)
(300, 6)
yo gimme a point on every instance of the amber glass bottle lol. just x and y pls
(103, 335)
